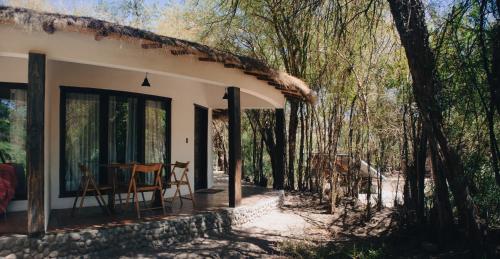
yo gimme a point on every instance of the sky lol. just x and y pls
(88, 7)
(154, 9)
(70, 4)
(62, 5)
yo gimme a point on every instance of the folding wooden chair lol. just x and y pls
(89, 184)
(182, 180)
(135, 187)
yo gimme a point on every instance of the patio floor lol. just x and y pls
(61, 220)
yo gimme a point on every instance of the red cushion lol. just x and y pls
(8, 183)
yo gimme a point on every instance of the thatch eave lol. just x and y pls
(290, 86)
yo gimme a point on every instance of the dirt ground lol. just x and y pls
(304, 228)
(302, 221)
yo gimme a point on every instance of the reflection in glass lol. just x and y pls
(122, 130)
(156, 121)
(82, 137)
(13, 110)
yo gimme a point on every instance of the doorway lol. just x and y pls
(200, 147)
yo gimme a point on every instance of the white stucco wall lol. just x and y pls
(184, 94)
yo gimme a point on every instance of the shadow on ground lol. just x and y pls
(236, 244)
(304, 228)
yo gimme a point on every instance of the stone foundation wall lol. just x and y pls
(103, 242)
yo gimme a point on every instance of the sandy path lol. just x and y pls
(301, 219)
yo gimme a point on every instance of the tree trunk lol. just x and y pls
(334, 176)
(420, 173)
(226, 162)
(413, 179)
(300, 166)
(271, 150)
(381, 168)
(309, 126)
(292, 137)
(369, 186)
(255, 173)
(349, 177)
(262, 176)
(493, 88)
(405, 166)
(279, 133)
(495, 66)
(409, 17)
(442, 197)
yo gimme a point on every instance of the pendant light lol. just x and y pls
(146, 81)
(225, 97)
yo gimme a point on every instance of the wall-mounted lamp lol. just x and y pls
(146, 81)
(225, 94)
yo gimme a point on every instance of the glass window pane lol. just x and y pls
(122, 133)
(155, 132)
(122, 130)
(82, 137)
(13, 111)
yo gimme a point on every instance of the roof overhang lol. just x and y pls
(96, 42)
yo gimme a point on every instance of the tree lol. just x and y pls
(409, 17)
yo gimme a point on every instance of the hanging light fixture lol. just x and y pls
(225, 95)
(146, 81)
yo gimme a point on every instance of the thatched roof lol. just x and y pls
(290, 86)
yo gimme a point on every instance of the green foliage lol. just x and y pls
(465, 96)
(136, 13)
(13, 131)
(487, 197)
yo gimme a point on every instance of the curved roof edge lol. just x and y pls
(290, 86)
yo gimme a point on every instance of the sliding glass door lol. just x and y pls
(122, 129)
(156, 136)
(13, 111)
(155, 133)
(101, 126)
(81, 137)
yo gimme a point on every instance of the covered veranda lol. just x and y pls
(213, 200)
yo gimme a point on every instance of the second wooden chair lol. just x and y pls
(89, 184)
(135, 187)
(183, 168)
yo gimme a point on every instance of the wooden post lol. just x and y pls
(234, 114)
(35, 143)
(280, 148)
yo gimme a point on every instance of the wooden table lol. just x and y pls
(113, 169)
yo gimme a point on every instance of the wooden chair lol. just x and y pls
(179, 181)
(135, 187)
(89, 184)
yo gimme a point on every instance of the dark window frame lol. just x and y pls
(104, 96)
(22, 86)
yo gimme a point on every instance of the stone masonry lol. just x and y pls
(106, 241)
